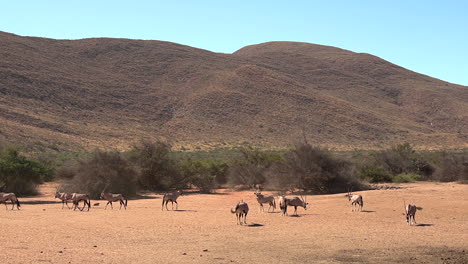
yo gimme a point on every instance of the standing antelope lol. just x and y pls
(172, 197)
(410, 212)
(65, 198)
(241, 210)
(110, 197)
(283, 205)
(356, 201)
(4, 197)
(78, 197)
(265, 199)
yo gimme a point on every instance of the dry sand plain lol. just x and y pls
(204, 231)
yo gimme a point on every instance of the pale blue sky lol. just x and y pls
(430, 37)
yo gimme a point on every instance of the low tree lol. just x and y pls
(156, 169)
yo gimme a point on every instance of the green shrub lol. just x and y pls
(157, 170)
(373, 173)
(199, 175)
(406, 177)
(19, 174)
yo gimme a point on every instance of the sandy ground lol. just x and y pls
(204, 231)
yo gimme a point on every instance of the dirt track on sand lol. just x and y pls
(204, 231)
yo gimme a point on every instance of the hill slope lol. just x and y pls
(108, 93)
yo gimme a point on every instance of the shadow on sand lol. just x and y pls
(179, 210)
(255, 225)
(42, 202)
(424, 225)
(367, 211)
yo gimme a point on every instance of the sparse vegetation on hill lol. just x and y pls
(78, 95)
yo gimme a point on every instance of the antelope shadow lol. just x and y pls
(424, 225)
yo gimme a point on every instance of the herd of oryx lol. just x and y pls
(357, 203)
(241, 210)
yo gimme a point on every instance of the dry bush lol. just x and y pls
(105, 171)
(452, 166)
(314, 170)
(252, 167)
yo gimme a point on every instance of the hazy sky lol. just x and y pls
(430, 37)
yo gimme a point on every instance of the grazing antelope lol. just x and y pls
(265, 199)
(78, 197)
(65, 198)
(296, 201)
(172, 197)
(4, 197)
(241, 210)
(410, 212)
(110, 197)
(356, 201)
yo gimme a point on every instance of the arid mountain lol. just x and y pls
(79, 95)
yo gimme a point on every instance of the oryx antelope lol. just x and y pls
(241, 210)
(172, 197)
(296, 201)
(261, 199)
(356, 201)
(410, 212)
(282, 204)
(4, 197)
(78, 197)
(112, 197)
(65, 198)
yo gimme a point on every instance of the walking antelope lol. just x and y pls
(410, 212)
(78, 197)
(172, 197)
(241, 210)
(110, 197)
(4, 197)
(356, 201)
(65, 198)
(265, 199)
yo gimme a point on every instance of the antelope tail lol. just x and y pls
(126, 202)
(274, 204)
(233, 211)
(18, 203)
